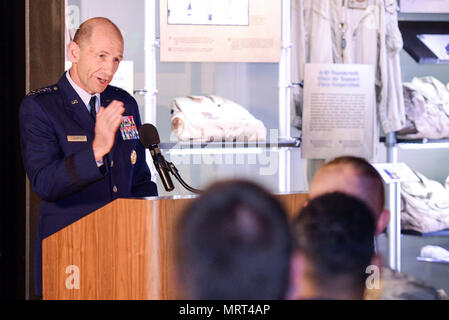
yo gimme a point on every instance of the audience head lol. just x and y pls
(234, 242)
(354, 176)
(333, 242)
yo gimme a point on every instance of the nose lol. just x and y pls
(109, 68)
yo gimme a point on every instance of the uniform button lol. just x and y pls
(112, 163)
(114, 189)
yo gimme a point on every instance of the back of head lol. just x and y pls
(234, 243)
(351, 175)
(334, 232)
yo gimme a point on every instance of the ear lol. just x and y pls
(73, 51)
(382, 221)
(377, 261)
(296, 276)
(306, 202)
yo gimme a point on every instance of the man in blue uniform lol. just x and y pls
(73, 150)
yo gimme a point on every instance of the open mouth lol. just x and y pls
(102, 81)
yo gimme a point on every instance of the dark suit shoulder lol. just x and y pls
(48, 97)
(44, 91)
(117, 90)
(116, 93)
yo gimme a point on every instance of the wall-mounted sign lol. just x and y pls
(201, 12)
(339, 111)
(220, 30)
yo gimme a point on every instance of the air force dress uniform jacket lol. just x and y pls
(56, 137)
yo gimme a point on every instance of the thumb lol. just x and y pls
(100, 111)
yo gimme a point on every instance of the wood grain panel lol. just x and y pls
(293, 203)
(45, 55)
(112, 249)
(168, 224)
(46, 42)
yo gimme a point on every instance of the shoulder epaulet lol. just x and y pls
(46, 90)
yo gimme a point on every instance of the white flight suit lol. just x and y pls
(425, 205)
(427, 109)
(330, 31)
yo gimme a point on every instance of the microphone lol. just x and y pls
(149, 137)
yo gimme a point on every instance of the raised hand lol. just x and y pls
(107, 122)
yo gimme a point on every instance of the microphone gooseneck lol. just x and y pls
(149, 137)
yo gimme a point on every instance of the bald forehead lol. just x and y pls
(97, 27)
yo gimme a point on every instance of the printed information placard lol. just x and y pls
(424, 6)
(339, 111)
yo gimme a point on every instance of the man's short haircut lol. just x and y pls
(85, 30)
(335, 234)
(371, 184)
(234, 242)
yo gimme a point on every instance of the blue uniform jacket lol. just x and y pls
(56, 138)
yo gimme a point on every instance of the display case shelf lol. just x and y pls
(230, 145)
(418, 144)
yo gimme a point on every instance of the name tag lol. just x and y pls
(77, 138)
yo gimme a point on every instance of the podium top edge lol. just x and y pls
(174, 197)
(186, 197)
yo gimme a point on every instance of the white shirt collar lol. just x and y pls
(84, 95)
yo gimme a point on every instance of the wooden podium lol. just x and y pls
(123, 251)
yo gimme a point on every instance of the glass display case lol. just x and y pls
(261, 88)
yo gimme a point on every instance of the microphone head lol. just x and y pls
(148, 135)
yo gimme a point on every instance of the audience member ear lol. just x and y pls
(306, 202)
(382, 221)
(377, 261)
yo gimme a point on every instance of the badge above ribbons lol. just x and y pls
(128, 129)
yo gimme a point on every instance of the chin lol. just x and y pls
(97, 87)
(100, 89)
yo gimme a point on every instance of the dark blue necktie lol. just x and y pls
(93, 111)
